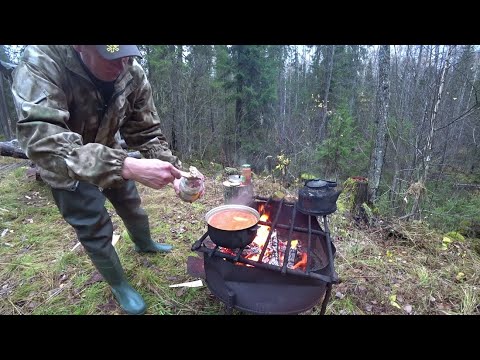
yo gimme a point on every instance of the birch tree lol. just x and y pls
(381, 113)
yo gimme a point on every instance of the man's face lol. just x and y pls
(106, 70)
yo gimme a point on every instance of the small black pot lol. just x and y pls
(318, 197)
(232, 239)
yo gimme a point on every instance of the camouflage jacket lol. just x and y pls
(65, 128)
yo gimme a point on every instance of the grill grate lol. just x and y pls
(287, 220)
(265, 288)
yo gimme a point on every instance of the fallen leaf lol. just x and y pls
(446, 240)
(33, 305)
(146, 263)
(109, 306)
(180, 292)
(96, 277)
(460, 276)
(393, 301)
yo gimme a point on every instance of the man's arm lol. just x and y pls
(142, 130)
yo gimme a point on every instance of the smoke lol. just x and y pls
(243, 197)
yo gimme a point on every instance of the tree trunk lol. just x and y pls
(428, 150)
(323, 125)
(433, 118)
(381, 113)
(355, 190)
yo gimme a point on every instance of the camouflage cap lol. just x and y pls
(112, 52)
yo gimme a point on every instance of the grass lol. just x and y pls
(390, 268)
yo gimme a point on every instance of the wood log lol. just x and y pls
(7, 149)
(355, 190)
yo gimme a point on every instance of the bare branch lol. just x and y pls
(466, 113)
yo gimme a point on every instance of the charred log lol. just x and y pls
(9, 149)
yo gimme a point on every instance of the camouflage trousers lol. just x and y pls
(84, 209)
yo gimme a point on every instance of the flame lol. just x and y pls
(261, 207)
(262, 232)
(261, 239)
(302, 263)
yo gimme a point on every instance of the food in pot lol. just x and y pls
(232, 219)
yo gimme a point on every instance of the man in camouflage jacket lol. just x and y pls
(71, 101)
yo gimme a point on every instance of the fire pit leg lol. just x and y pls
(230, 303)
(326, 299)
(240, 250)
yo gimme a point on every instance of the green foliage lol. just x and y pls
(343, 151)
(306, 176)
(452, 211)
(254, 70)
(455, 236)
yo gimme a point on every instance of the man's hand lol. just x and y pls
(153, 173)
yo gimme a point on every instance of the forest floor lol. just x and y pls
(390, 268)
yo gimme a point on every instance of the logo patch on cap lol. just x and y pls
(113, 48)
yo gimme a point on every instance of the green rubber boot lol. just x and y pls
(153, 247)
(111, 269)
(140, 235)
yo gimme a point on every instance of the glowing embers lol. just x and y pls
(276, 248)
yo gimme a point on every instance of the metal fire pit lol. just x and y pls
(261, 288)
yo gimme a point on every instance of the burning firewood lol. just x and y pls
(292, 254)
(302, 263)
(273, 245)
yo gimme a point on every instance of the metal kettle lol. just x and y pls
(318, 197)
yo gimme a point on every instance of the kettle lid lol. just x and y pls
(319, 183)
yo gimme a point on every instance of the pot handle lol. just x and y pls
(254, 228)
(252, 232)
